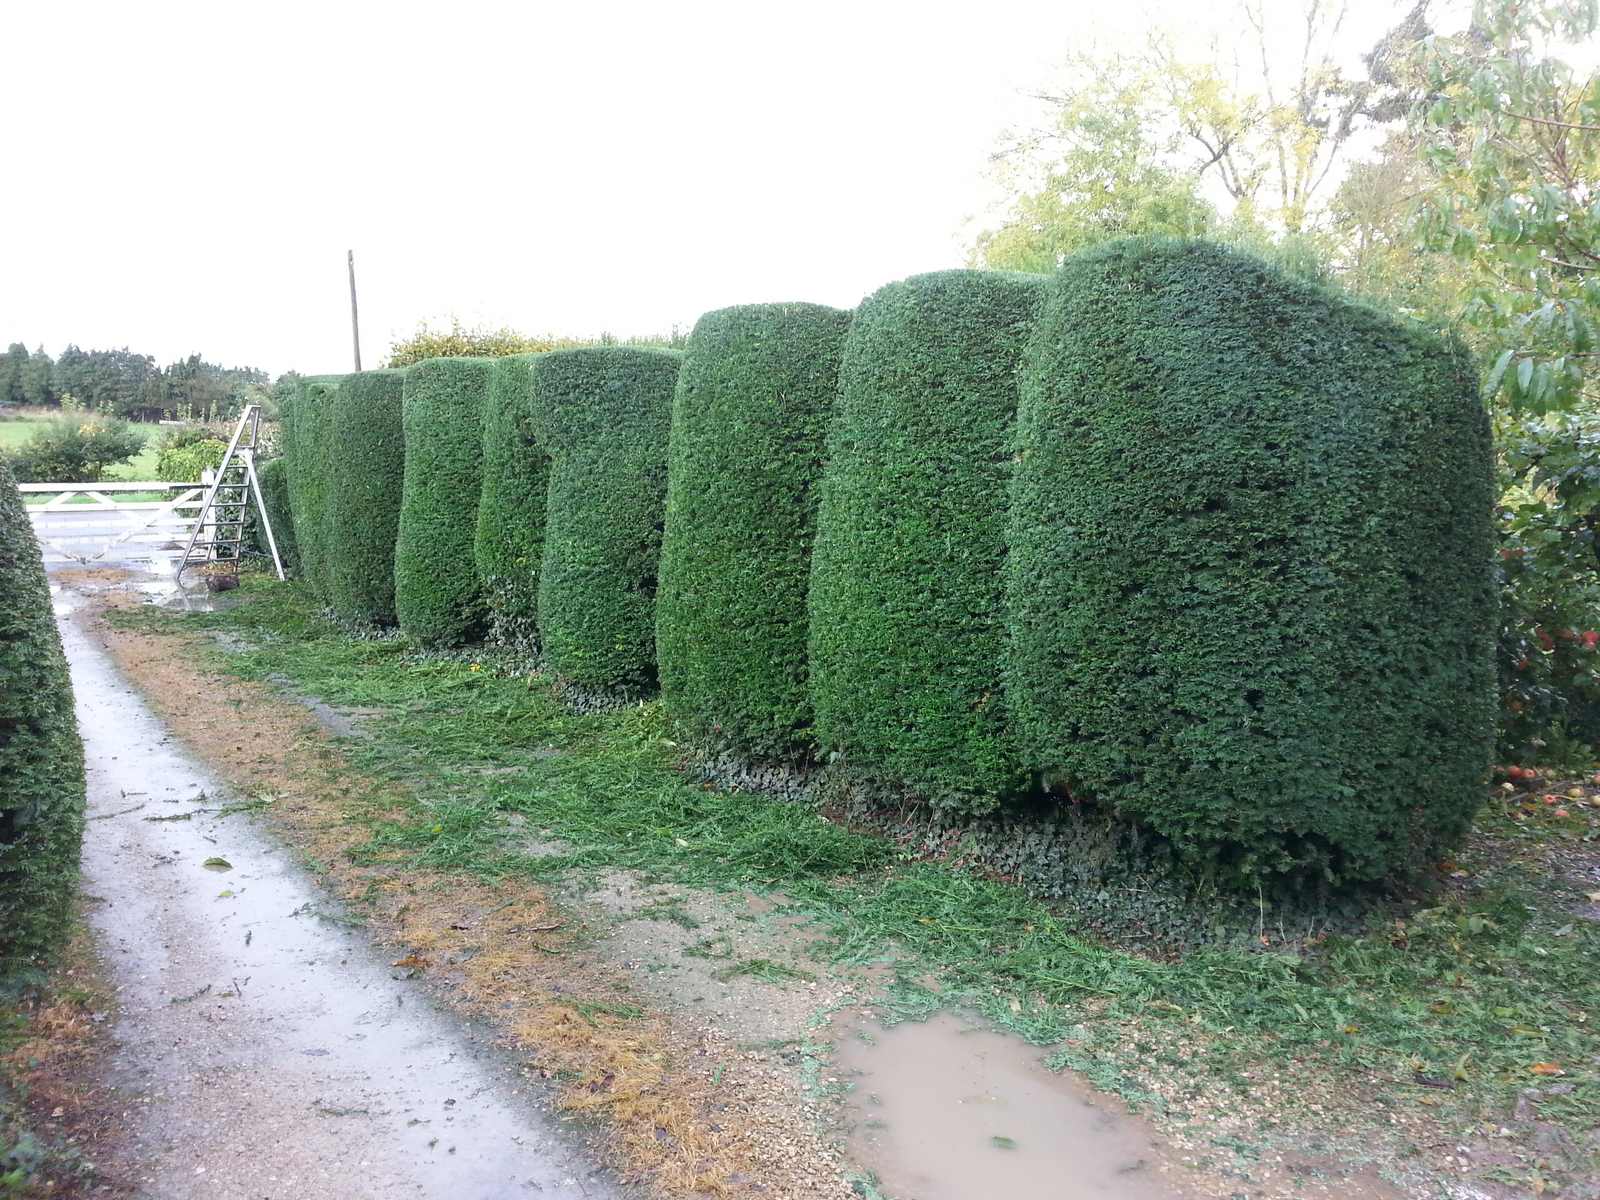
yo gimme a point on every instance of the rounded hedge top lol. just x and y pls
(366, 469)
(604, 414)
(1249, 583)
(41, 758)
(907, 614)
(749, 424)
(516, 477)
(437, 597)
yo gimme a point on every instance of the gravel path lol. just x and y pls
(261, 1048)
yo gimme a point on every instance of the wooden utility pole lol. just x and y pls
(355, 324)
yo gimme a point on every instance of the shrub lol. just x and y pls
(461, 342)
(907, 615)
(307, 435)
(1250, 581)
(436, 593)
(516, 478)
(604, 413)
(41, 759)
(274, 478)
(1549, 657)
(749, 422)
(366, 475)
(184, 459)
(75, 450)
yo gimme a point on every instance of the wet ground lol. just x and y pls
(947, 1110)
(267, 1048)
(262, 1048)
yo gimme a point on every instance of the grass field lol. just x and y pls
(1432, 1023)
(15, 431)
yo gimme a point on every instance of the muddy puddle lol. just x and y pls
(160, 589)
(946, 1110)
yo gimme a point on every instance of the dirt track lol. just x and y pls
(262, 1048)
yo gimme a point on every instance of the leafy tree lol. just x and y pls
(199, 390)
(1513, 146)
(1139, 144)
(37, 385)
(13, 365)
(1274, 143)
(1099, 171)
(108, 381)
(1372, 244)
(1510, 139)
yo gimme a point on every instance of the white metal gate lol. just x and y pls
(87, 523)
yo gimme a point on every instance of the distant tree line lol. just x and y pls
(125, 384)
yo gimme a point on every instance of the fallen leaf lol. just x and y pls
(217, 864)
(1546, 1068)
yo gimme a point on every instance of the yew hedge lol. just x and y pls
(604, 414)
(907, 611)
(509, 541)
(41, 757)
(366, 476)
(437, 597)
(749, 423)
(1249, 586)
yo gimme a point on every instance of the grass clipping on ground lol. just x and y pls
(1464, 1021)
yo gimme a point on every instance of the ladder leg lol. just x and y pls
(261, 508)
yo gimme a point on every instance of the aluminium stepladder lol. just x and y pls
(218, 533)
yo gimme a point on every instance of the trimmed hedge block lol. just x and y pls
(907, 600)
(749, 425)
(41, 758)
(1250, 580)
(273, 475)
(366, 477)
(604, 414)
(307, 437)
(437, 597)
(516, 480)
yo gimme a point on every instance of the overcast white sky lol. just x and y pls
(187, 177)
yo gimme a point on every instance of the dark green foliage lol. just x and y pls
(41, 759)
(274, 478)
(516, 476)
(749, 423)
(907, 614)
(436, 591)
(307, 437)
(1250, 582)
(366, 474)
(604, 413)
